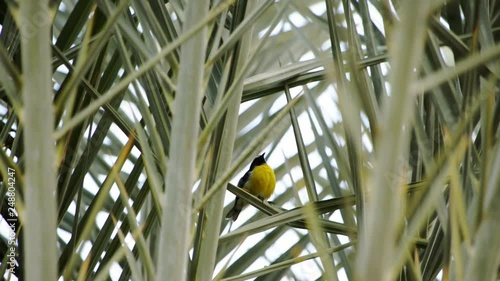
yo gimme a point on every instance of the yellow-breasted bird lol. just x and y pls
(259, 181)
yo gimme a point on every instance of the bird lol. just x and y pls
(259, 181)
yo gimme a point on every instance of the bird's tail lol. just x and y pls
(235, 211)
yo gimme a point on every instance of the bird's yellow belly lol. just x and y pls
(262, 182)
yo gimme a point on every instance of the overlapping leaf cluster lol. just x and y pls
(380, 118)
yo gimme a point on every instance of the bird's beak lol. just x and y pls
(263, 154)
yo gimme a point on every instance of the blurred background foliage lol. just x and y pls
(384, 114)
